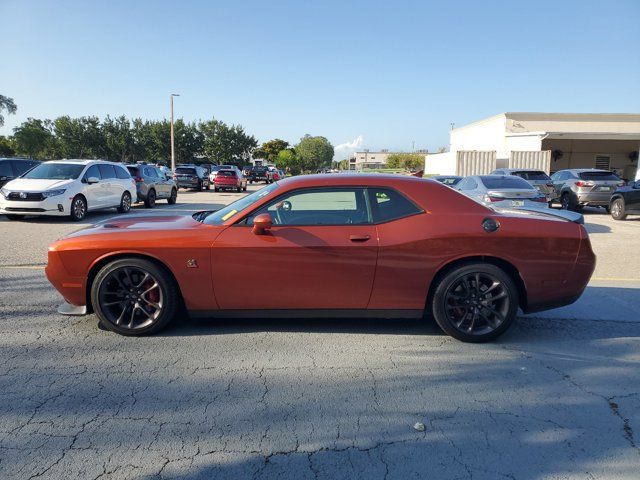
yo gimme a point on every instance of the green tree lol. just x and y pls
(314, 152)
(78, 137)
(188, 141)
(33, 137)
(270, 150)
(410, 161)
(7, 147)
(7, 104)
(289, 161)
(118, 138)
(228, 144)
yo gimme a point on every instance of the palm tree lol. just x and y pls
(7, 104)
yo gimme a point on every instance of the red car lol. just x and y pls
(327, 245)
(231, 179)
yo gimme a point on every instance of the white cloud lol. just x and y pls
(343, 150)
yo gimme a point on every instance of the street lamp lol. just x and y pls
(173, 151)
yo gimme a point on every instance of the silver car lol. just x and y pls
(510, 192)
(537, 178)
(579, 187)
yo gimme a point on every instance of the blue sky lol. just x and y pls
(392, 72)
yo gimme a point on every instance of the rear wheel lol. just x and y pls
(475, 302)
(216, 189)
(244, 189)
(133, 296)
(199, 187)
(568, 202)
(78, 208)
(150, 201)
(125, 203)
(173, 198)
(618, 211)
(14, 217)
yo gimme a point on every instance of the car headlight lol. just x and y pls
(53, 193)
(4, 192)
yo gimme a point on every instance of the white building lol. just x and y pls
(369, 159)
(548, 141)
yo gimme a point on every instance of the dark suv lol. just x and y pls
(191, 176)
(258, 174)
(580, 187)
(11, 168)
(626, 201)
(152, 184)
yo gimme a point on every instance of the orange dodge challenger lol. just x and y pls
(327, 245)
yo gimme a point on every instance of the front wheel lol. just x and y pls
(78, 208)
(568, 203)
(134, 296)
(173, 198)
(475, 302)
(125, 203)
(618, 211)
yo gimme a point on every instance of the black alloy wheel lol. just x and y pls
(173, 198)
(134, 297)
(150, 201)
(475, 302)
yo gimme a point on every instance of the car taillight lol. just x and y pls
(540, 199)
(489, 198)
(139, 179)
(580, 183)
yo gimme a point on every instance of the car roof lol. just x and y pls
(82, 161)
(580, 170)
(352, 179)
(510, 170)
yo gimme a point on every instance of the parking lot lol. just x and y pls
(558, 396)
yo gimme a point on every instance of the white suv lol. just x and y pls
(68, 187)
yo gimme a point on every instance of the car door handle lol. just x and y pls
(359, 238)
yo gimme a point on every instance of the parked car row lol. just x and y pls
(572, 189)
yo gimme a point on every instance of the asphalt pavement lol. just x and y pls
(556, 397)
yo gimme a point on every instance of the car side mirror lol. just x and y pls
(262, 223)
(92, 180)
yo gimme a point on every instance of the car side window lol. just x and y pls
(326, 206)
(107, 171)
(92, 171)
(5, 169)
(122, 173)
(388, 204)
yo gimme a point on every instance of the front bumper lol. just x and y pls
(59, 205)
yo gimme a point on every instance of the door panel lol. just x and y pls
(295, 267)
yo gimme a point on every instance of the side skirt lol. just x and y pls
(346, 313)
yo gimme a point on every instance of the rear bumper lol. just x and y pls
(600, 199)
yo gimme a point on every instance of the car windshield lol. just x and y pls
(186, 170)
(227, 173)
(493, 182)
(532, 175)
(598, 176)
(55, 171)
(220, 216)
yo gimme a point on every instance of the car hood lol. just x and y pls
(35, 185)
(137, 223)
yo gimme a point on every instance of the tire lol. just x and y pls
(208, 186)
(137, 312)
(173, 198)
(618, 210)
(489, 319)
(13, 217)
(550, 204)
(216, 189)
(150, 201)
(244, 189)
(199, 187)
(238, 189)
(78, 208)
(568, 202)
(607, 209)
(125, 203)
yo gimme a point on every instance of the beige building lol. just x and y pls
(367, 159)
(550, 141)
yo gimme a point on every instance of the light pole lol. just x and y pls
(173, 150)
